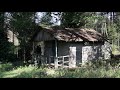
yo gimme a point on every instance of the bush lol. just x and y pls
(6, 67)
(93, 69)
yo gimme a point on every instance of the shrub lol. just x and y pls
(6, 67)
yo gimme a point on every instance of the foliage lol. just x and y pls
(6, 53)
(80, 19)
(98, 69)
(46, 19)
(72, 19)
(5, 49)
(23, 24)
(6, 66)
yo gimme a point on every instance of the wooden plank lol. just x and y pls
(60, 60)
(66, 61)
(56, 48)
(60, 57)
(63, 56)
(60, 65)
(56, 62)
(72, 59)
(63, 62)
(86, 53)
(66, 56)
(56, 58)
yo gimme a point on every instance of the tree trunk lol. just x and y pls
(13, 42)
(24, 56)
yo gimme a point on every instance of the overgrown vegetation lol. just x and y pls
(96, 69)
(23, 25)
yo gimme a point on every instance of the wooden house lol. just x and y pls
(71, 46)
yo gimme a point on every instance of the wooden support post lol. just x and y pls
(56, 62)
(56, 59)
(63, 61)
(56, 48)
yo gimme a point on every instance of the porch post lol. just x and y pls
(56, 59)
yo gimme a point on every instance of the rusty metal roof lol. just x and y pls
(70, 34)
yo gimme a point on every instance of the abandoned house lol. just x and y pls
(71, 46)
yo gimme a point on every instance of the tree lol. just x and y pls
(80, 19)
(5, 46)
(23, 24)
(46, 19)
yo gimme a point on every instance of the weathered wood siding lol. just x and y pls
(49, 47)
(91, 51)
(84, 53)
(43, 36)
(64, 49)
(72, 59)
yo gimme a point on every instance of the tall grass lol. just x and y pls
(94, 70)
(115, 49)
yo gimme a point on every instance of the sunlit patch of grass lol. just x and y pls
(18, 71)
(7, 71)
(52, 72)
(116, 52)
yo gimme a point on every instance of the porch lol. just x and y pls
(55, 62)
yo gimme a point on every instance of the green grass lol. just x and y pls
(9, 71)
(115, 50)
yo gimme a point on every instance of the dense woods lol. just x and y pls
(23, 25)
